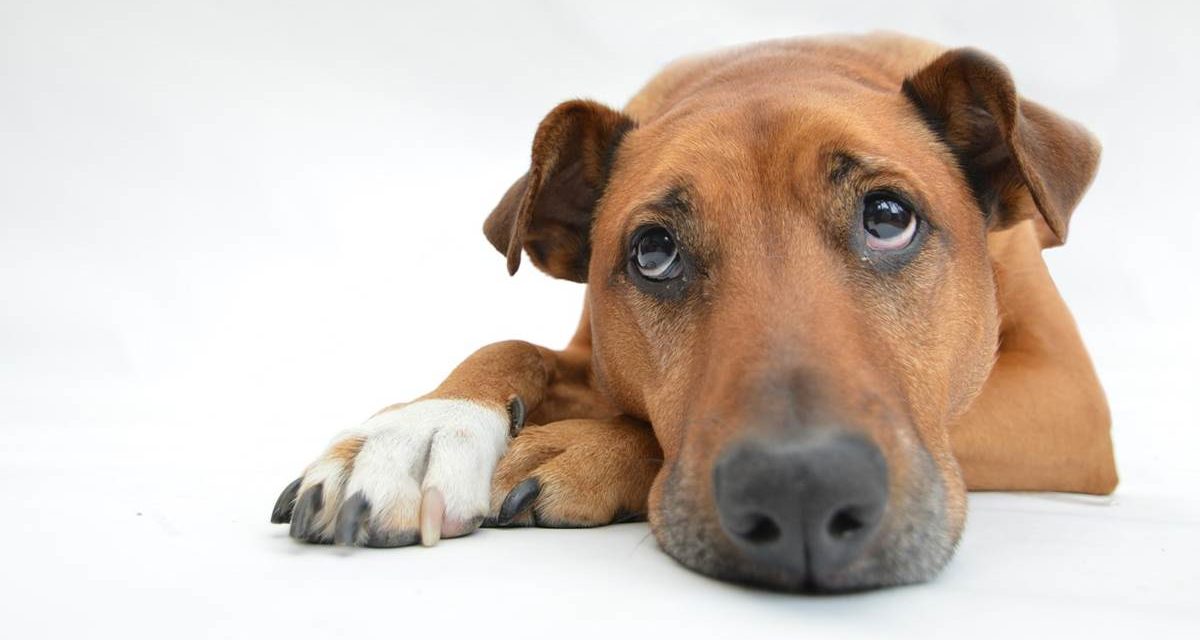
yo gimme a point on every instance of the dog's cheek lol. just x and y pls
(667, 518)
(620, 353)
(977, 342)
(654, 503)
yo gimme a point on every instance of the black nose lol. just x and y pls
(807, 504)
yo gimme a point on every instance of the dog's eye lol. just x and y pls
(655, 254)
(890, 223)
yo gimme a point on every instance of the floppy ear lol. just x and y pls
(548, 211)
(1008, 147)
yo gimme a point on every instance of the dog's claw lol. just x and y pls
(307, 508)
(518, 500)
(351, 519)
(516, 415)
(433, 508)
(282, 512)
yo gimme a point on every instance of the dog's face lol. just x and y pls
(782, 272)
(793, 287)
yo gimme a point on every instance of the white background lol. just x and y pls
(229, 229)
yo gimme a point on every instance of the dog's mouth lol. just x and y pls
(824, 514)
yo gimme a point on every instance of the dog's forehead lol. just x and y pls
(767, 148)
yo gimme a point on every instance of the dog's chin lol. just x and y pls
(914, 543)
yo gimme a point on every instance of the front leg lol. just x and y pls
(1037, 426)
(1041, 422)
(422, 470)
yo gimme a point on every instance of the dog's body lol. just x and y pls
(820, 395)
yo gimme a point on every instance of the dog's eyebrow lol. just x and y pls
(844, 165)
(841, 165)
(676, 200)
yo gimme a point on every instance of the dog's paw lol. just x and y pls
(422, 471)
(576, 473)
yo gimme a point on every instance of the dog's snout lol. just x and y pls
(807, 505)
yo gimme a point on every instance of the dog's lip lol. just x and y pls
(742, 568)
(757, 575)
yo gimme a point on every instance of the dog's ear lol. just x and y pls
(1009, 148)
(548, 211)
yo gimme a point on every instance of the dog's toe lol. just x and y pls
(308, 508)
(351, 524)
(386, 538)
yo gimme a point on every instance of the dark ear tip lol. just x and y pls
(969, 56)
(972, 54)
(984, 67)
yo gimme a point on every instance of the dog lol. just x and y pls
(816, 315)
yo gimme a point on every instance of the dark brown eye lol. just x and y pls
(655, 254)
(890, 223)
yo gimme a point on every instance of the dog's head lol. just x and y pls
(788, 276)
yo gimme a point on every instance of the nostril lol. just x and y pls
(844, 523)
(759, 529)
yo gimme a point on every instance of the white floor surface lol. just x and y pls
(228, 230)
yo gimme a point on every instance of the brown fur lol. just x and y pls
(965, 368)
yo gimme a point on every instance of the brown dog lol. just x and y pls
(817, 314)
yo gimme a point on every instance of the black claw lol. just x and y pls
(516, 415)
(351, 519)
(282, 513)
(307, 508)
(518, 500)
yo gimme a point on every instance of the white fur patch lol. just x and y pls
(449, 445)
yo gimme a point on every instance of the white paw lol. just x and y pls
(422, 471)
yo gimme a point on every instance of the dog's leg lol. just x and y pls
(1041, 422)
(423, 470)
(576, 473)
